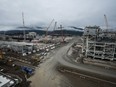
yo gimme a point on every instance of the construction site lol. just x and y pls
(21, 54)
(97, 46)
(19, 59)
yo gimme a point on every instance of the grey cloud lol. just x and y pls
(66, 12)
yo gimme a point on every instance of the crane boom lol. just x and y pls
(47, 30)
(49, 27)
(54, 29)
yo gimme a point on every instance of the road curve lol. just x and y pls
(60, 71)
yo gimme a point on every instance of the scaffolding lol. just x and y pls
(99, 43)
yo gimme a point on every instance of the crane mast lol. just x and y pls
(23, 26)
(106, 21)
(62, 33)
(54, 29)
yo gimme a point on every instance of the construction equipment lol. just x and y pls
(47, 30)
(23, 26)
(54, 30)
(62, 33)
(49, 27)
(106, 21)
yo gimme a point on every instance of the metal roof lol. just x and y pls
(5, 81)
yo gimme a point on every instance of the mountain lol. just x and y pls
(42, 31)
(67, 32)
(76, 28)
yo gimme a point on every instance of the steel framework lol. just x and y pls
(99, 43)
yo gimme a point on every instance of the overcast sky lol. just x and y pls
(66, 12)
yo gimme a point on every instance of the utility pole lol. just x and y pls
(23, 26)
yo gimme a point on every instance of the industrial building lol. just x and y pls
(99, 43)
(19, 47)
(7, 81)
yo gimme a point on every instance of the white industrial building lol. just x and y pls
(99, 43)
